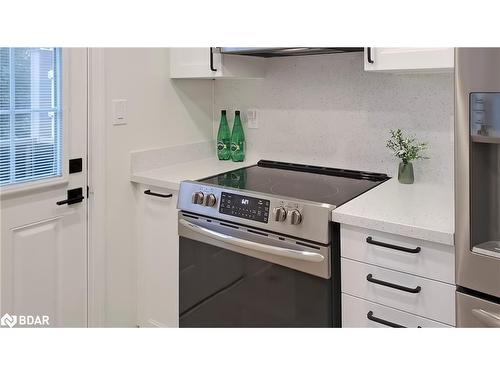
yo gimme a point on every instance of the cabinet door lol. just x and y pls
(204, 64)
(360, 313)
(416, 295)
(434, 261)
(157, 258)
(193, 63)
(409, 59)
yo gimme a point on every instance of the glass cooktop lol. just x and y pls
(318, 184)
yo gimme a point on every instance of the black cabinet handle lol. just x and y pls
(373, 318)
(74, 196)
(212, 60)
(371, 279)
(369, 55)
(149, 192)
(394, 247)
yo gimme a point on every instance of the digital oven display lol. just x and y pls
(246, 207)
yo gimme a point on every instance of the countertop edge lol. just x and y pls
(426, 234)
(169, 177)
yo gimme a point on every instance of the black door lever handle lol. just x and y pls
(74, 196)
(70, 201)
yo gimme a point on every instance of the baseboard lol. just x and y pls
(151, 323)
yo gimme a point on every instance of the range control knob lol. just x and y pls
(279, 214)
(210, 200)
(295, 217)
(197, 198)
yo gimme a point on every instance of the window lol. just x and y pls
(30, 114)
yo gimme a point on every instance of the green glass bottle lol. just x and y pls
(237, 139)
(223, 138)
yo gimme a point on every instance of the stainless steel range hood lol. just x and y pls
(286, 51)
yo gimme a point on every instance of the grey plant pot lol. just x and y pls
(405, 173)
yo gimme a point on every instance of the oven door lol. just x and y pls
(236, 276)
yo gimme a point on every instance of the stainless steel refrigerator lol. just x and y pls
(477, 186)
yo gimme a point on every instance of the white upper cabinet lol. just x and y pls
(409, 59)
(208, 63)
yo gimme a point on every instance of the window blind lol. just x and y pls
(30, 114)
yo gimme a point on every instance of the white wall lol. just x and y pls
(326, 110)
(161, 112)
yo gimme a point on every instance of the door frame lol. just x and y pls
(96, 215)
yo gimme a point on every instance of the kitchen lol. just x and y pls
(367, 197)
(295, 96)
(143, 195)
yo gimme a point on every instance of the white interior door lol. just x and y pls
(43, 258)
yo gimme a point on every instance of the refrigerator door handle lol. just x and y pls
(488, 318)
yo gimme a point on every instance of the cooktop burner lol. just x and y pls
(318, 184)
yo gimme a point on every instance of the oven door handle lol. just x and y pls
(269, 249)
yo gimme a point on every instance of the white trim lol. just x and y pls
(33, 186)
(155, 324)
(65, 111)
(97, 189)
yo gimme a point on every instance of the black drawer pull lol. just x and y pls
(371, 279)
(416, 250)
(149, 192)
(373, 318)
(369, 53)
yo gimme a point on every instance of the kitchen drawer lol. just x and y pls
(431, 299)
(360, 313)
(434, 261)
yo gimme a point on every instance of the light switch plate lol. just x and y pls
(252, 119)
(119, 111)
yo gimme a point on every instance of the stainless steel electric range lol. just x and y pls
(258, 248)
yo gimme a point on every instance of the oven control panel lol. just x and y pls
(258, 210)
(244, 206)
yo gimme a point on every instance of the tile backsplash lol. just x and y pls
(326, 110)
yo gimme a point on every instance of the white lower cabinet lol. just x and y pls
(431, 299)
(157, 258)
(409, 280)
(360, 313)
(417, 257)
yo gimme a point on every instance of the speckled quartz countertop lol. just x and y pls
(171, 176)
(423, 211)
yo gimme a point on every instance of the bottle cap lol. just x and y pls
(223, 111)
(237, 112)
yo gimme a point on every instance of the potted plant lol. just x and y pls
(407, 149)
